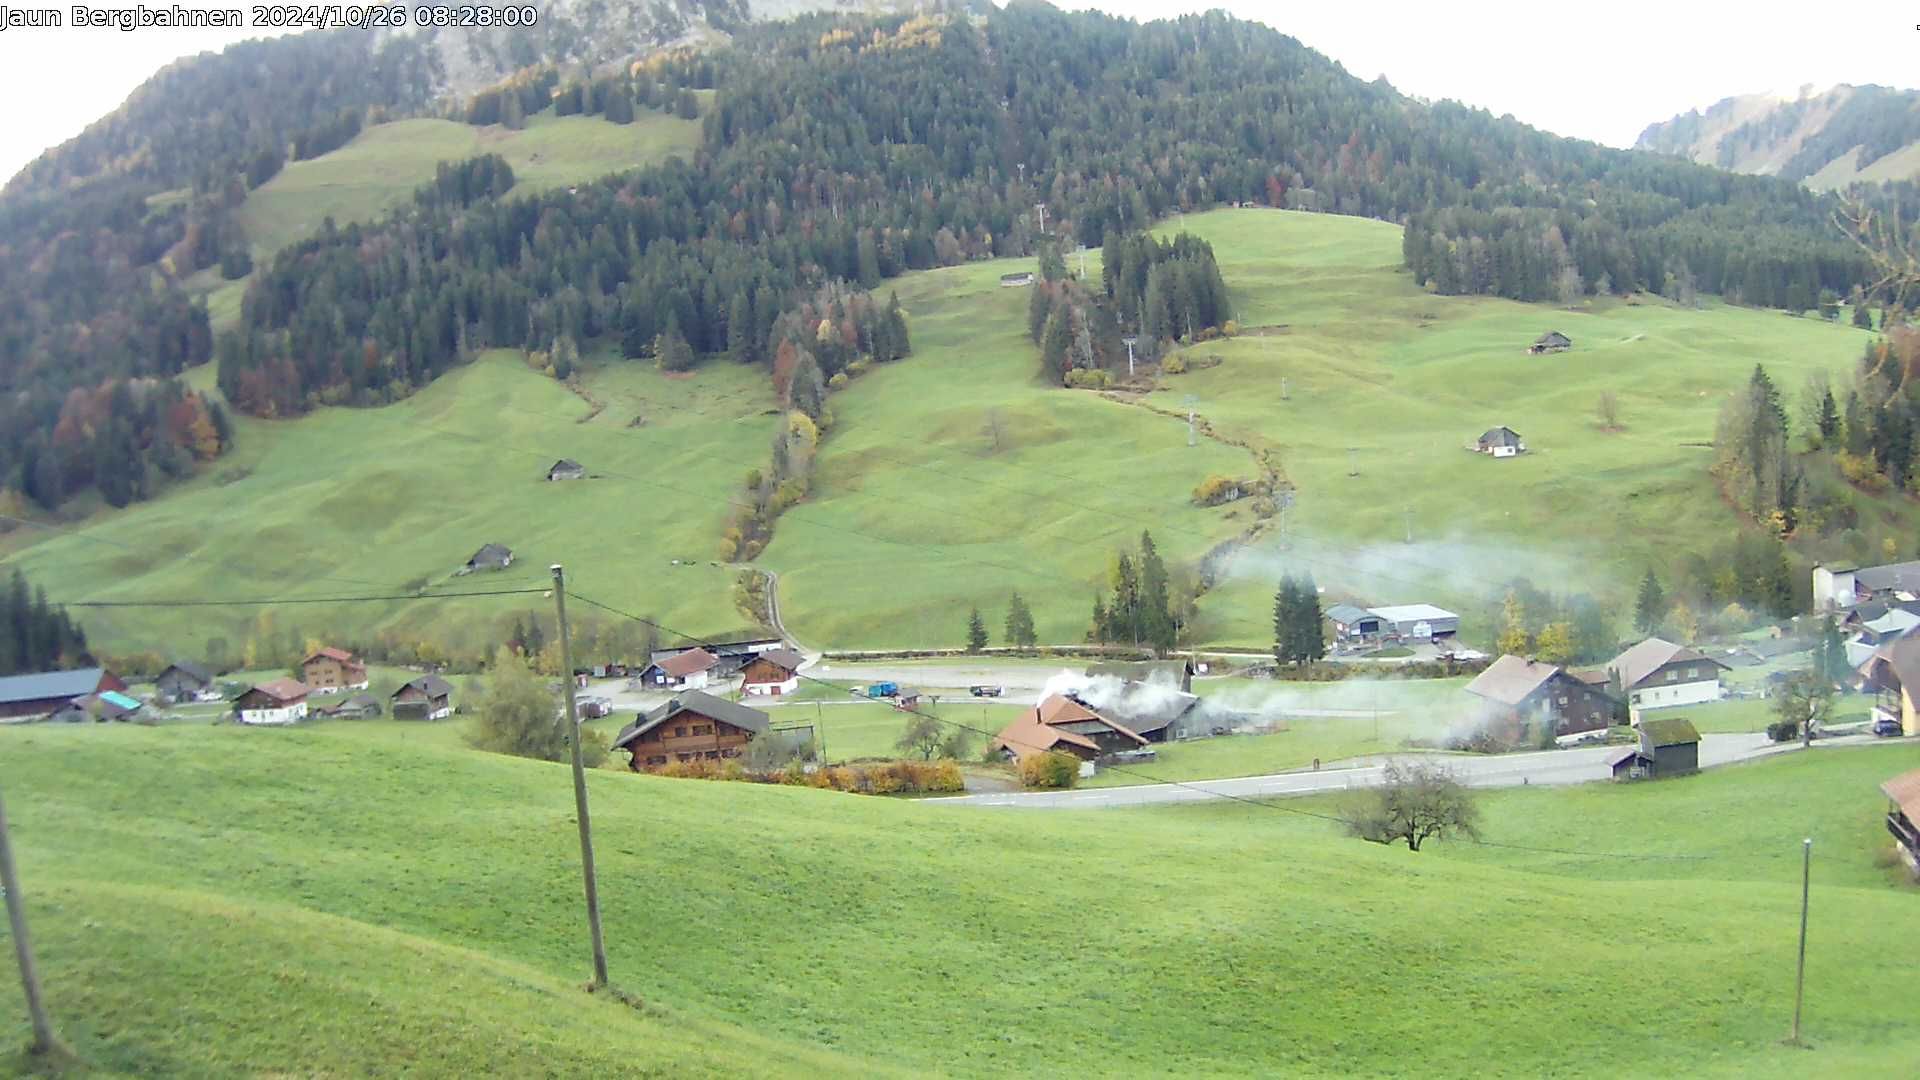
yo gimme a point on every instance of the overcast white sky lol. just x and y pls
(1599, 71)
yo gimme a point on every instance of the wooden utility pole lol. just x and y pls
(579, 780)
(1800, 975)
(22, 948)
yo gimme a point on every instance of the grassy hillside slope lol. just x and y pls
(1222, 939)
(370, 501)
(383, 165)
(1339, 350)
(919, 512)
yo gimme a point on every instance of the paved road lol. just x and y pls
(1577, 766)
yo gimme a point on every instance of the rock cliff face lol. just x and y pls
(1823, 138)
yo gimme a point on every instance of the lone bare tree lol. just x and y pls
(923, 737)
(1609, 411)
(1415, 802)
(1890, 243)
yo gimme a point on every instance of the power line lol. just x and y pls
(1124, 771)
(275, 601)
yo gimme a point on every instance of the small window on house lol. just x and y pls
(1672, 674)
(680, 733)
(703, 729)
(657, 759)
(1563, 699)
(684, 757)
(712, 754)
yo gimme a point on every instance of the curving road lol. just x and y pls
(1579, 766)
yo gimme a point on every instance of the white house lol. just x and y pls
(688, 670)
(1657, 674)
(282, 701)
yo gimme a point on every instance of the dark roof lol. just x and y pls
(1511, 679)
(1347, 614)
(1621, 755)
(1141, 671)
(356, 703)
(564, 465)
(1670, 731)
(1650, 656)
(785, 658)
(1500, 436)
(431, 685)
(1905, 575)
(491, 553)
(1552, 337)
(1156, 713)
(185, 667)
(48, 685)
(694, 701)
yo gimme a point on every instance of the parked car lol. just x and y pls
(1887, 726)
(986, 691)
(883, 689)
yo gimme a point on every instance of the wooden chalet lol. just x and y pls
(1903, 817)
(1063, 724)
(693, 726)
(282, 701)
(1520, 695)
(689, 670)
(1657, 674)
(428, 697)
(183, 681)
(1500, 442)
(489, 557)
(331, 671)
(771, 674)
(1552, 341)
(42, 694)
(1892, 673)
(1667, 747)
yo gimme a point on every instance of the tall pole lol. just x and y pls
(579, 781)
(1800, 975)
(22, 948)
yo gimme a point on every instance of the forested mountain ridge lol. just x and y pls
(838, 146)
(1825, 139)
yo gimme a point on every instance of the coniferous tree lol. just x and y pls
(1650, 605)
(976, 632)
(1054, 343)
(1020, 631)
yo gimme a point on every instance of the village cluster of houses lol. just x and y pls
(333, 675)
(1519, 698)
(1878, 609)
(330, 674)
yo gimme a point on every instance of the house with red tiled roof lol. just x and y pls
(282, 701)
(330, 671)
(1061, 723)
(691, 669)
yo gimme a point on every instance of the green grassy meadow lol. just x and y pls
(359, 502)
(955, 476)
(340, 899)
(384, 164)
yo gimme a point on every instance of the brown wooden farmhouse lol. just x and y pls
(332, 670)
(693, 726)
